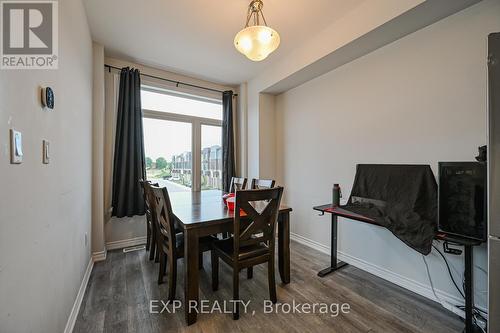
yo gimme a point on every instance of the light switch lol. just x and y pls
(46, 156)
(16, 147)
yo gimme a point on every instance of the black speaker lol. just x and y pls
(462, 199)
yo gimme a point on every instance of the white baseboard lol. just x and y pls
(99, 256)
(126, 243)
(70, 324)
(402, 281)
(310, 243)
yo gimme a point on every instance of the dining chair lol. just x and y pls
(171, 242)
(237, 183)
(258, 184)
(253, 240)
(262, 183)
(150, 225)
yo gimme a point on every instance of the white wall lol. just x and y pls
(421, 99)
(267, 142)
(45, 210)
(241, 131)
(372, 24)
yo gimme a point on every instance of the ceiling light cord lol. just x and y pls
(263, 18)
(255, 12)
(249, 16)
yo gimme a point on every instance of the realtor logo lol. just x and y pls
(29, 37)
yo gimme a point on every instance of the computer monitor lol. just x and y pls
(462, 199)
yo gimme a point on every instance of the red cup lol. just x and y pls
(225, 196)
(230, 203)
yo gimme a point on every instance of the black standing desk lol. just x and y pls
(336, 212)
(468, 244)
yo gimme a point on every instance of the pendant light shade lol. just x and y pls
(257, 41)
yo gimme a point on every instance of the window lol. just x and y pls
(181, 104)
(175, 126)
(167, 145)
(211, 157)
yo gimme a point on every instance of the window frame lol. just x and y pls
(196, 123)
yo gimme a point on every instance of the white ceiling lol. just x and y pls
(195, 37)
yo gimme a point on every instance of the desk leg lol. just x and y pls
(191, 292)
(284, 247)
(334, 264)
(470, 326)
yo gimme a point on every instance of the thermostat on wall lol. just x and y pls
(48, 97)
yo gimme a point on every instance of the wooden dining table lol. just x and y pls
(203, 213)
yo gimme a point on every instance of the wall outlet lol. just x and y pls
(86, 239)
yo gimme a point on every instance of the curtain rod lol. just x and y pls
(177, 83)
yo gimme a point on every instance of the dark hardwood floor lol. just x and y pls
(118, 297)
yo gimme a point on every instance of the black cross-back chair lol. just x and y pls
(253, 240)
(259, 184)
(237, 184)
(170, 241)
(262, 183)
(150, 225)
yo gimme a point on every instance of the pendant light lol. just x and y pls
(256, 41)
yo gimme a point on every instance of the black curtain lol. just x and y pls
(228, 167)
(129, 164)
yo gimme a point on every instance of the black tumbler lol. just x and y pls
(336, 194)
